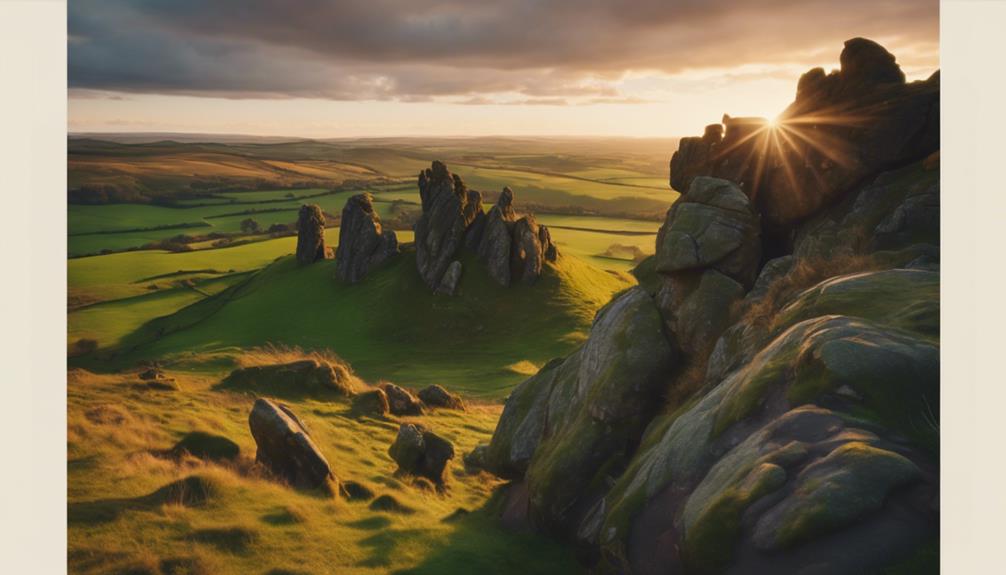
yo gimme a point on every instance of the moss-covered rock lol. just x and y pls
(711, 226)
(572, 426)
(902, 298)
(521, 424)
(851, 481)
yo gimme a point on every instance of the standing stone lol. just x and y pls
(446, 216)
(286, 448)
(310, 234)
(363, 244)
(530, 247)
(494, 248)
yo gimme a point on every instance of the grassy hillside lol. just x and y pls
(119, 521)
(481, 342)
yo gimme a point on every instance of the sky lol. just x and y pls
(369, 68)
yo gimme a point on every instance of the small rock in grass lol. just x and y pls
(373, 402)
(437, 396)
(286, 448)
(422, 453)
(400, 401)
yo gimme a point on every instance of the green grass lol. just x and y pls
(120, 521)
(390, 326)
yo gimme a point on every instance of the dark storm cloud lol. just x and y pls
(415, 49)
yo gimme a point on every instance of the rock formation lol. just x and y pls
(310, 234)
(453, 217)
(768, 401)
(363, 244)
(447, 213)
(420, 452)
(842, 127)
(286, 448)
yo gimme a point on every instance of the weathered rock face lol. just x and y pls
(418, 451)
(310, 234)
(842, 127)
(437, 396)
(494, 247)
(532, 246)
(712, 226)
(708, 252)
(304, 377)
(400, 401)
(448, 210)
(567, 427)
(286, 448)
(804, 421)
(363, 243)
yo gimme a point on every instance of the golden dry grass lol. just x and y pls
(118, 431)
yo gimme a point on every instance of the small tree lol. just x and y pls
(249, 226)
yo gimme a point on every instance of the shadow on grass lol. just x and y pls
(475, 542)
(193, 491)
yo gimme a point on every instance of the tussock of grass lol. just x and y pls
(271, 353)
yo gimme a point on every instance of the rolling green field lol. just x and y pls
(144, 302)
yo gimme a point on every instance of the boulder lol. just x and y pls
(697, 308)
(711, 226)
(420, 452)
(476, 458)
(310, 234)
(600, 401)
(363, 243)
(296, 378)
(285, 448)
(401, 401)
(565, 429)
(437, 396)
(373, 402)
(446, 215)
(841, 128)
